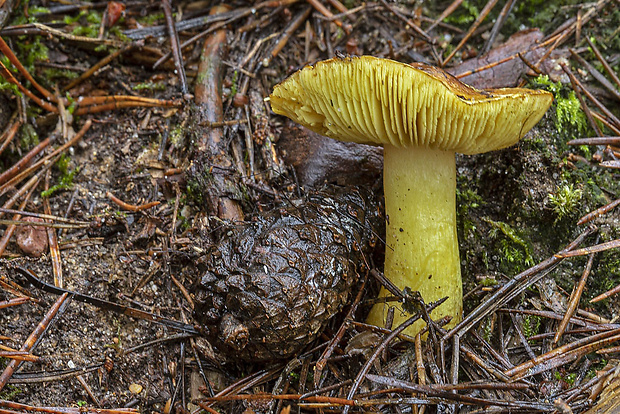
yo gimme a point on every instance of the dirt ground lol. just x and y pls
(507, 219)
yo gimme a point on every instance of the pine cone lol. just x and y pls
(270, 285)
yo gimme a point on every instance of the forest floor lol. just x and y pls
(128, 186)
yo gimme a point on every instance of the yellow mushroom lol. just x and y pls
(421, 116)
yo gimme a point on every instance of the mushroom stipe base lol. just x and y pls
(421, 239)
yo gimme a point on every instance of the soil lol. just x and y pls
(139, 155)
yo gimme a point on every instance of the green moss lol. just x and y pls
(27, 14)
(565, 200)
(487, 329)
(570, 378)
(88, 23)
(464, 15)
(488, 281)
(28, 136)
(606, 275)
(73, 19)
(194, 192)
(72, 103)
(567, 378)
(517, 252)
(9, 392)
(235, 80)
(570, 121)
(176, 135)
(185, 224)
(28, 49)
(466, 200)
(66, 176)
(117, 33)
(120, 214)
(7, 86)
(608, 36)
(544, 14)
(31, 51)
(54, 73)
(149, 86)
(151, 18)
(531, 325)
(63, 164)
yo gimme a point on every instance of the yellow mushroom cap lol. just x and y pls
(379, 101)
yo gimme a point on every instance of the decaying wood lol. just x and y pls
(511, 69)
(609, 400)
(318, 159)
(213, 166)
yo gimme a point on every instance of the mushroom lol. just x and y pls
(421, 116)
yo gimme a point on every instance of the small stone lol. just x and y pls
(32, 240)
(240, 100)
(135, 388)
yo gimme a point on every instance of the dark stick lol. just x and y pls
(104, 304)
(362, 373)
(174, 45)
(512, 288)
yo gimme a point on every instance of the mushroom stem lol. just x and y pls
(422, 246)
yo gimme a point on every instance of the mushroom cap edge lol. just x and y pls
(380, 101)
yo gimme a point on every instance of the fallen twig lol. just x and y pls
(33, 339)
(131, 207)
(574, 300)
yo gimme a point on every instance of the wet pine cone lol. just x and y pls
(269, 286)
